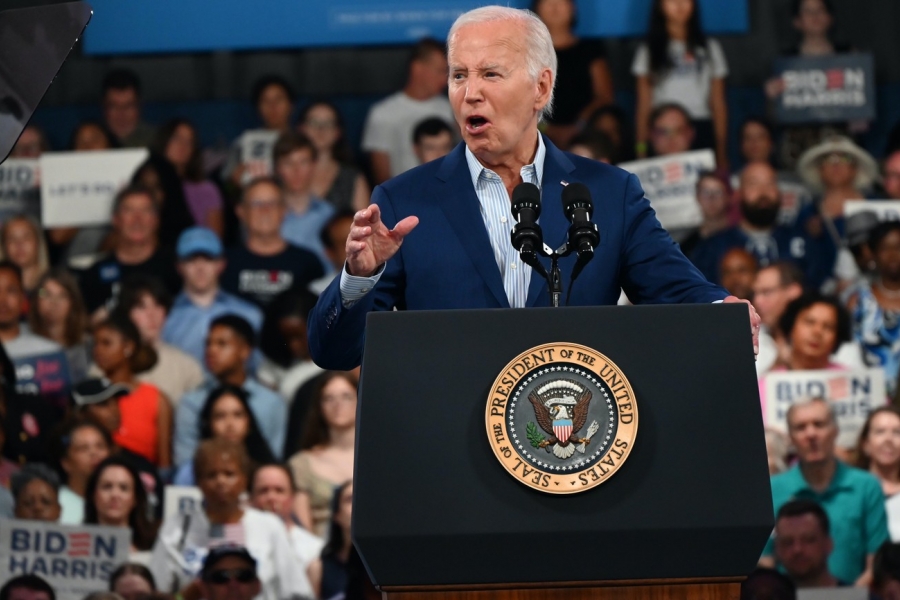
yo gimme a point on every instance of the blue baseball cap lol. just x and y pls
(198, 240)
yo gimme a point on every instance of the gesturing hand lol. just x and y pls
(371, 244)
(755, 321)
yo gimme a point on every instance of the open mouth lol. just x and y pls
(476, 124)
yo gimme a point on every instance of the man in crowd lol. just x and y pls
(775, 286)
(27, 587)
(135, 222)
(737, 271)
(851, 497)
(334, 241)
(266, 264)
(122, 109)
(201, 300)
(803, 543)
(229, 573)
(671, 131)
(892, 175)
(432, 139)
(229, 344)
(390, 123)
(17, 339)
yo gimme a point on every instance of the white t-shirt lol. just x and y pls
(688, 82)
(390, 124)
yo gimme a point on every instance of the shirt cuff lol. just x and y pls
(354, 289)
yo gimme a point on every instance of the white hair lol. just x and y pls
(539, 51)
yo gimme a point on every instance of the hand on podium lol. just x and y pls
(755, 321)
(371, 244)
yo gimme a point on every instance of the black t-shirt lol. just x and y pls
(100, 284)
(574, 86)
(258, 279)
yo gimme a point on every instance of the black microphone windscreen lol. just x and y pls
(577, 195)
(526, 195)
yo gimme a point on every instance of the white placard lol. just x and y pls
(74, 559)
(853, 394)
(670, 183)
(19, 192)
(181, 499)
(256, 152)
(77, 188)
(886, 210)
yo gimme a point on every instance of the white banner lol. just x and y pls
(77, 188)
(74, 559)
(19, 192)
(256, 152)
(670, 183)
(886, 210)
(853, 393)
(180, 500)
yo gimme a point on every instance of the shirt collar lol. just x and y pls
(838, 481)
(535, 170)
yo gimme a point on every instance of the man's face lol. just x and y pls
(275, 108)
(801, 546)
(136, 220)
(11, 298)
(737, 272)
(121, 111)
(770, 298)
(22, 593)
(812, 432)
(29, 144)
(431, 71)
(756, 143)
(225, 351)
(339, 232)
(262, 209)
(201, 273)
(232, 578)
(37, 502)
(105, 413)
(295, 171)
(433, 147)
(272, 491)
(759, 196)
(671, 133)
(892, 176)
(495, 101)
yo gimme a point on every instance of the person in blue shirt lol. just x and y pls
(200, 263)
(229, 344)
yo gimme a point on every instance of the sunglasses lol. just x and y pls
(228, 575)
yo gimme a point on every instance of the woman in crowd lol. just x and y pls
(329, 574)
(159, 176)
(612, 121)
(132, 581)
(714, 198)
(286, 363)
(272, 489)
(115, 496)
(678, 63)
(22, 243)
(222, 469)
(335, 177)
(58, 313)
(146, 426)
(91, 135)
(325, 459)
(35, 490)
(583, 80)
(815, 326)
(878, 450)
(226, 415)
(177, 140)
(82, 446)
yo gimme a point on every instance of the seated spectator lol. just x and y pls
(272, 489)
(135, 221)
(82, 445)
(229, 345)
(329, 574)
(58, 314)
(757, 232)
(335, 177)
(334, 241)
(432, 139)
(891, 175)
(122, 109)
(266, 264)
(294, 157)
(178, 142)
(767, 584)
(91, 135)
(158, 176)
(714, 199)
(184, 540)
(146, 302)
(115, 497)
(671, 131)
(737, 272)
(226, 415)
(814, 327)
(757, 141)
(22, 243)
(594, 145)
(886, 577)
(852, 498)
(774, 287)
(325, 459)
(132, 581)
(146, 414)
(803, 543)
(229, 573)
(31, 143)
(35, 490)
(855, 266)
(612, 122)
(878, 449)
(17, 339)
(201, 300)
(286, 363)
(27, 587)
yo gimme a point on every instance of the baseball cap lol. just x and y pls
(198, 240)
(95, 390)
(858, 227)
(217, 553)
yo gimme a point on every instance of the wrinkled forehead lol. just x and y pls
(484, 44)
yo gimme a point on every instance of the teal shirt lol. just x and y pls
(854, 504)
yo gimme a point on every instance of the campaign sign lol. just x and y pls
(181, 500)
(74, 559)
(826, 89)
(45, 375)
(256, 153)
(886, 210)
(670, 182)
(852, 393)
(19, 191)
(77, 188)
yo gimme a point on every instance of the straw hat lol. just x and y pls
(866, 167)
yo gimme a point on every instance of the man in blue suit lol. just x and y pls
(502, 71)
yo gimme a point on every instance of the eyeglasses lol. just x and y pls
(228, 575)
(836, 158)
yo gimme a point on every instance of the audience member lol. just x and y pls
(31, 143)
(201, 300)
(679, 63)
(432, 138)
(878, 449)
(266, 264)
(776, 450)
(82, 445)
(22, 243)
(221, 470)
(325, 459)
(852, 498)
(27, 587)
(334, 240)
(390, 123)
(58, 314)
(757, 141)
(178, 142)
(122, 109)
(335, 177)
(855, 266)
(159, 177)
(774, 287)
(671, 131)
(814, 327)
(229, 573)
(7, 467)
(614, 123)
(768, 584)
(16, 337)
(35, 490)
(91, 135)
(891, 175)
(595, 145)
(286, 363)
(737, 270)
(886, 577)
(803, 543)
(132, 581)
(329, 574)
(714, 199)
(229, 345)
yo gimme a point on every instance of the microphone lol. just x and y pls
(579, 208)
(526, 236)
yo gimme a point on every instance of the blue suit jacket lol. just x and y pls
(447, 260)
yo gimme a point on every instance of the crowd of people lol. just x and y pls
(183, 321)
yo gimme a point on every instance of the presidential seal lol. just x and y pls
(561, 418)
